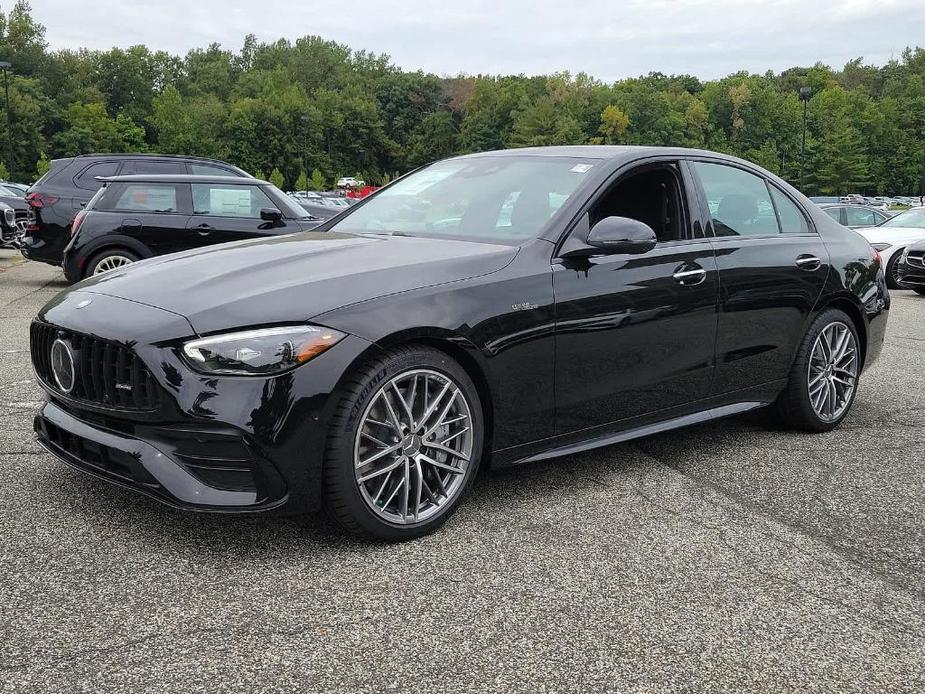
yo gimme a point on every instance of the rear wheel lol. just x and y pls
(109, 259)
(823, 379)
(404, 445)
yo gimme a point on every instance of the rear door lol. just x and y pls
(225, 212)
(154, 214)
(772, 270)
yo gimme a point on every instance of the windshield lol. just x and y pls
(504, 199)
(910, 218)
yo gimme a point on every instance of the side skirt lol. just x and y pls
(642, 431)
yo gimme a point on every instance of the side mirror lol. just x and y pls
(622, 235)
(270, 214)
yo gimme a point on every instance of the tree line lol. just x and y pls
(309, 111)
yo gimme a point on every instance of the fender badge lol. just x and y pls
(524, 306)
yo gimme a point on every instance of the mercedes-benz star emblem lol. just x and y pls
(62, 365)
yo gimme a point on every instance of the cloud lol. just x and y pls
(608, 39)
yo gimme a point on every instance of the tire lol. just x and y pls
(116, 257)
(369, 499)
(919, 290)
(891, 281)
(797, 405)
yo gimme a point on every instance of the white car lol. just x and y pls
(892, 236)
(349, 182)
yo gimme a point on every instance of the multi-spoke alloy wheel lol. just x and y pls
(833, 371)
(111, 262)
(413, 446)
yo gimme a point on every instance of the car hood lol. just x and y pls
(295, 277)
(892, 235)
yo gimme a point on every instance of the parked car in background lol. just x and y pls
(855, 216)
(10, 233)
(893, 236)
(316, 206)
(57, 197)
(910, 270)
(135, 217)
(350, 182)
(15, 214)
(825, 199)
(509, 306)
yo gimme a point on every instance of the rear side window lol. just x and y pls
(740, 203)
(149, 166)
(86, 179)
(858, 217)
(791, 219)
(834, 213)
(229, 201)
(147, 197)
(210, 170)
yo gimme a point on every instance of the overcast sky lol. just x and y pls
(610, 39)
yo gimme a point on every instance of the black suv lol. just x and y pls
(59, 195)
(135, 217)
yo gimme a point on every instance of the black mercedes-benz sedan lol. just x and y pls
(491, 309)
(910, 269)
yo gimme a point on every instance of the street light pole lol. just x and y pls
(5, 66)
(805, 93)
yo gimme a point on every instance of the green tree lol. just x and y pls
(276, 178)
(318, 182)
(614, 124)
(42, 166)
(301, 183)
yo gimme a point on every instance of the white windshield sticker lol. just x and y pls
(581, 168)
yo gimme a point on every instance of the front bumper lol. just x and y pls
(143, 466)
(911, 273)
(230, 444)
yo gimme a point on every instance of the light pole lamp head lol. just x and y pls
(805, 93)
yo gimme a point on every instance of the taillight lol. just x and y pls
(875, 254)
(38, 200)
(77, 220)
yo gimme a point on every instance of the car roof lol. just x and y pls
(603, 152)
(148, 155)
(182, 178)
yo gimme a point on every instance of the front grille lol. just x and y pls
(107, 374)
(916, 258)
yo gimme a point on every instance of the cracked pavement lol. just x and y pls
(730, 557)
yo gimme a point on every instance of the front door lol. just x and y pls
(635, 333)
(772, 270)
(226, 212)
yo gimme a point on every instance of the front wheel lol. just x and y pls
(404, 445)
(892, 270)
(824, 376)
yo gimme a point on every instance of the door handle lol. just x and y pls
(205, 229)
(690, 277)
(808, 262)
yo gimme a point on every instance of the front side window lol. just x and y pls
(652, 195)
(86, 179)
(219, 200)
(147, 197)
(210, 170)
(834, 213)
(503, 199)
(740, 203)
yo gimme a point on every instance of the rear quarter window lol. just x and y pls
(86, 179)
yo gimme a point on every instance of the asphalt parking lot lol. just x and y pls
(725, 558)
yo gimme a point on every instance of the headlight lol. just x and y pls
(9, 215)
(262, 352)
